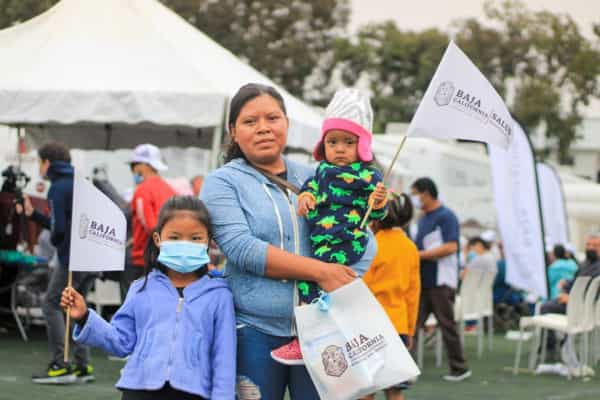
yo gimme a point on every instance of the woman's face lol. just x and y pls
(261, 130)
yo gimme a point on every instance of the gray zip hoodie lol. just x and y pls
(249, 213)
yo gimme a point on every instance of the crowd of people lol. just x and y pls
(289, 233)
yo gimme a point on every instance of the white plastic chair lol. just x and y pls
(589, 317)
(430, 322)
(596, 340)
(570, 324)
(105, 293)
(486, 292)
(469, 306)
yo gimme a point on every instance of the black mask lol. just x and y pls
(591, 256)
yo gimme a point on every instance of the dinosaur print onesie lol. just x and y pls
(341, 194)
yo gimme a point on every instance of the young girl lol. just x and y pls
(177, 324)
(336, 199)
(394, 276)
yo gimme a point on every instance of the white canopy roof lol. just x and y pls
(124, 62)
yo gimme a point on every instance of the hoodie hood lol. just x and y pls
(194, 290)
(58, 169)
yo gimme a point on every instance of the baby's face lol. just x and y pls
(341, 148)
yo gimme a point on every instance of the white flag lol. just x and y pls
(460, 103)
(554, 210)
(518, 213)
(98, 230)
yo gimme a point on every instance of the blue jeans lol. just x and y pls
(261, 377)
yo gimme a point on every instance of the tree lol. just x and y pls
(541, 59)
(283, 40)
(398, 66)
(15, 11)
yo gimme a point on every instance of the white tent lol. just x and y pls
(118, 69)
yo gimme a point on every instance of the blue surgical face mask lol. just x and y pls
(137, 179)
(471, 256)
(183, 256)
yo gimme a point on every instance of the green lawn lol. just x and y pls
(490, 381)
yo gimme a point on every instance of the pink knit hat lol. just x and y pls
(349, 111)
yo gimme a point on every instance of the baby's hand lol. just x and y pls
(379, 194)
(305, 204)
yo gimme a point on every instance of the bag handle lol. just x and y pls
(282, 183)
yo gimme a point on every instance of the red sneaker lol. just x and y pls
(289, 354)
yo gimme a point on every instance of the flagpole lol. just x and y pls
(385, 178)
(68, 320)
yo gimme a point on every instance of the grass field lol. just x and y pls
(490, 379)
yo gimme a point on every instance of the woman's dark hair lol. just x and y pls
(54, 151)
(560, 252)
(423, 185)
(400, 212)
(474, 240)
(168, 211)
(246, 93)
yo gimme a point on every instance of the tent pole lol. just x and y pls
(218, 138)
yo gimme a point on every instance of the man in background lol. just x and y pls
(437, 239)
(150, 194)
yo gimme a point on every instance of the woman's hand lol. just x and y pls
(71, 298)
(305, 204)
(334, 276)
(410, 342)
(379, 195)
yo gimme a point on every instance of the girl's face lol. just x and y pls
(341, 148)
(261, 130)
(183, 226)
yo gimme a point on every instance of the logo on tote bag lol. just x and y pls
(334, 361)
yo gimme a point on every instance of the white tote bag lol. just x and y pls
(352, 349)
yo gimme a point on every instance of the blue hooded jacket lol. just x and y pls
(248, 213)
(60, 201)
(189, 342)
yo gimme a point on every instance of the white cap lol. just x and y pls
(570, 248)
(148, 154)
(489, 236)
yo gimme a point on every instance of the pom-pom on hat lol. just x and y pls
(350, 111)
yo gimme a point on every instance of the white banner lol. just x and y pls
(554, 209)
(518, 213)
(461, 103)
(98, 230)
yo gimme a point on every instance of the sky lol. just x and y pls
(419, 14)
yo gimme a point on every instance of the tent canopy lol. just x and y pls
(124, 62)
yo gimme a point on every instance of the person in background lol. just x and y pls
(150, 194)
(196, 183)
(479, 256)
(591, 268)
(394, 276)
(562, 269)
(489, 236)
(437, 240)
(55, 165)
